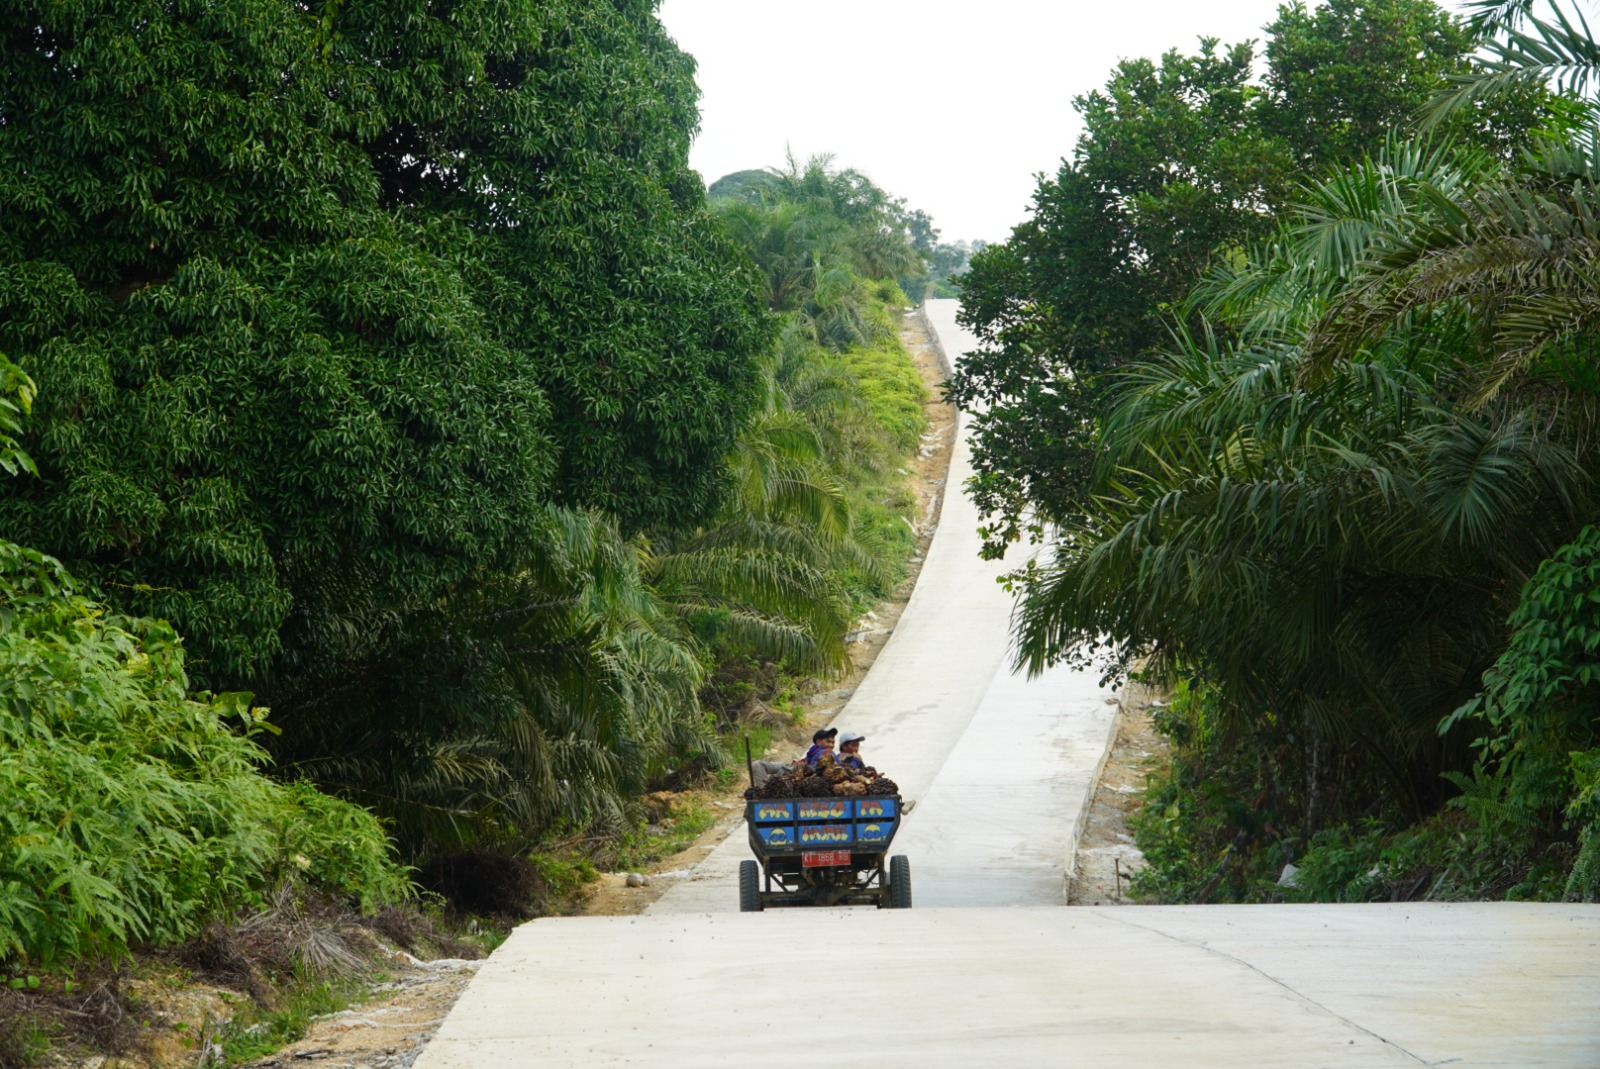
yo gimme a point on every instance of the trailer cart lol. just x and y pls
(824, 852)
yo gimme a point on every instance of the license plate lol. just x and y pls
(816, 859)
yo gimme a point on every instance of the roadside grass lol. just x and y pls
(257, 1031)
(642, 847)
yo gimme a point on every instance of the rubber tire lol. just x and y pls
(899, 882)
(749, 887)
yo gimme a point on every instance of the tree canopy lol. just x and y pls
(1343, 500)
(1182, 165)
(326, 300)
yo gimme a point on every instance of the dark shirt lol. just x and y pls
(852, 761)
(814, 753)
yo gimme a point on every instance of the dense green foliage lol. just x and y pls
(325, 300)
(390, 354)
(820, 501)
(137, 812)
(1334, 544)
(134, 812)
(546, 694)
(1353, 488)
(371, 338)
(1179, 164)
(519, 703)
(1342, 75)
(1541, 701)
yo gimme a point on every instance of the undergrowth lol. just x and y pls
(136, 813)
(1220, 825)
(235, 992)
(648, 843)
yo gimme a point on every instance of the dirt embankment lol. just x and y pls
(1106, 858)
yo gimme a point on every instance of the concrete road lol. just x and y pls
(1001, 768)
(1296, 987)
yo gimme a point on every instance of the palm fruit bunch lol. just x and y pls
(814, 786)
(777, 787)
(827, 777)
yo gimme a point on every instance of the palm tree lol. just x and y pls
(538, 694)
(1335, 545)
(769, 567)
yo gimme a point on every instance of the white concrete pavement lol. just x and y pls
(1296, 987)
(1000, 766)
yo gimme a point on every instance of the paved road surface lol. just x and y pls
(1001, 769)
(1229, 987)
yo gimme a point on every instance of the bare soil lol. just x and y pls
(388, 1031)
(1106, 857)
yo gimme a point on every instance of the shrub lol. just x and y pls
(134, 813)
(893, 390)
(338, 848)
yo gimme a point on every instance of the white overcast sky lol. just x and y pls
(952, 104)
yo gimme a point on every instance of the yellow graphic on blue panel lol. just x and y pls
(832, 809)
(876, 808)
(777, 836)
(874, 833)
(822, 834)
(766, 812)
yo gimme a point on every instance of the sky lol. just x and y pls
(954, 105)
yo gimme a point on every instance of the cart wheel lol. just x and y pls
(749, 887)
(899, 882)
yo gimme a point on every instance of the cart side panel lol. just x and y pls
(824, 809)
(788, 827)
(777, 837)
(770, 812)
(875, 832)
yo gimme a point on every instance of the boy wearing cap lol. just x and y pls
(821, 743)
(850, 750)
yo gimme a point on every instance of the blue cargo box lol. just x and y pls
(823, 823)
(883, 808)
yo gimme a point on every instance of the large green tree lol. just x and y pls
(325, 300)
(1181, 167)
(1324, 516)
(1344, 74)
(1172, 165)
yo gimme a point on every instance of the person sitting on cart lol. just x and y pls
(821, 743)
(850, 750)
